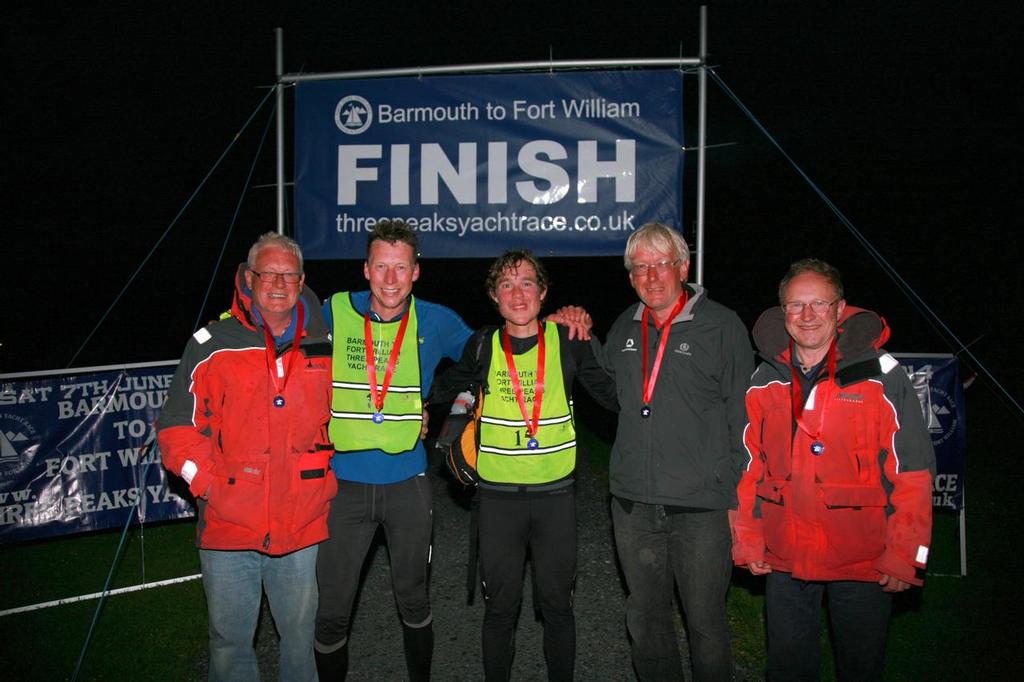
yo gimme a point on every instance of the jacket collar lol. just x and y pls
(695, 297)
(859, 331)
(244, 310)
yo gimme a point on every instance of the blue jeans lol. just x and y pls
(234, 582)
(692, 549)
(859, 613)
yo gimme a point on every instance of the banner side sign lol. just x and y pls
(73, 452)
(936, 379)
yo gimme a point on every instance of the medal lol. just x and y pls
(664, 329)
(378, 396)
(532, 424)
(279, 373)
(826, 388)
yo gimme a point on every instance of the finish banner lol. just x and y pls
(73, 448)
(936, 378)
(565, 164)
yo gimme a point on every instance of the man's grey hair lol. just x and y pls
(656, 237)
(273, 239)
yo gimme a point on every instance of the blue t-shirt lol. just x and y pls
(441, 334)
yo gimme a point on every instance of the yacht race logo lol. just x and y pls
(942, 419)
(938, 407)
(353, 115)
(17, 445)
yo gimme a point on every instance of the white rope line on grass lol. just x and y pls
(97, 595)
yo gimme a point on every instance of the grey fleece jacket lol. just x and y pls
(689, 451)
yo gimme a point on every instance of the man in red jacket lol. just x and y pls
(836, 495)
(245, 424)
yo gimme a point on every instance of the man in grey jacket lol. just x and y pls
(681, 364)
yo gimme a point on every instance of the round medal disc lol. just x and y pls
(817, 448)
(532, 444)
(645, 411)
(278, 401)
(378, 418)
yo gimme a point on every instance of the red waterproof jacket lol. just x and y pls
(863, 506)
(260, 472)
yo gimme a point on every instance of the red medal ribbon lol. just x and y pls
(663, 328)
(517, 387)
(797, 393)
(272, 352)
(371, 361)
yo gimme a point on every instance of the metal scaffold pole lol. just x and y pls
(702, 129)
(279, 71)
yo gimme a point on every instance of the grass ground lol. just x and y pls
(954, 629)
(155, 634)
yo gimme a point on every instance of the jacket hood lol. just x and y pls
(859, 331)
(242, 306)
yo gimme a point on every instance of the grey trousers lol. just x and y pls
(691, 549)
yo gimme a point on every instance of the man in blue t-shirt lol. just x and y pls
(387, 345)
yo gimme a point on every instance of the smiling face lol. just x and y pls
(519, 297)
(659, 287)
(812, 332)
(390, 269)
(276, 299)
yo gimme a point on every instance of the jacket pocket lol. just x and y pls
(771, 509)
(854, 522)
(313, 485)
(772, 490)
(842, 496)
(237, 494)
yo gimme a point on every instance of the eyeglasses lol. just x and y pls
(660, 267)
(818, 307)
(271, 277)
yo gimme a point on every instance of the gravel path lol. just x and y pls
(376, 639)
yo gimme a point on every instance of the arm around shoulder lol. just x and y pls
(598, 382)
(470, 369)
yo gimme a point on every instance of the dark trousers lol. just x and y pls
(405, 511)
(546, 523)
(693, 550)
(859, 614)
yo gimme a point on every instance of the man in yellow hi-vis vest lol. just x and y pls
(387, 345)
(527, 460)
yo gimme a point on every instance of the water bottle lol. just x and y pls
(463, 403)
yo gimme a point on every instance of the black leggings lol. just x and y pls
(546, 523)
(405, 511)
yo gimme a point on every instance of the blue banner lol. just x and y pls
(73, 449)
(936, 377)
(566, 164)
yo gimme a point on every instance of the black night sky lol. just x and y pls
(905, 114)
